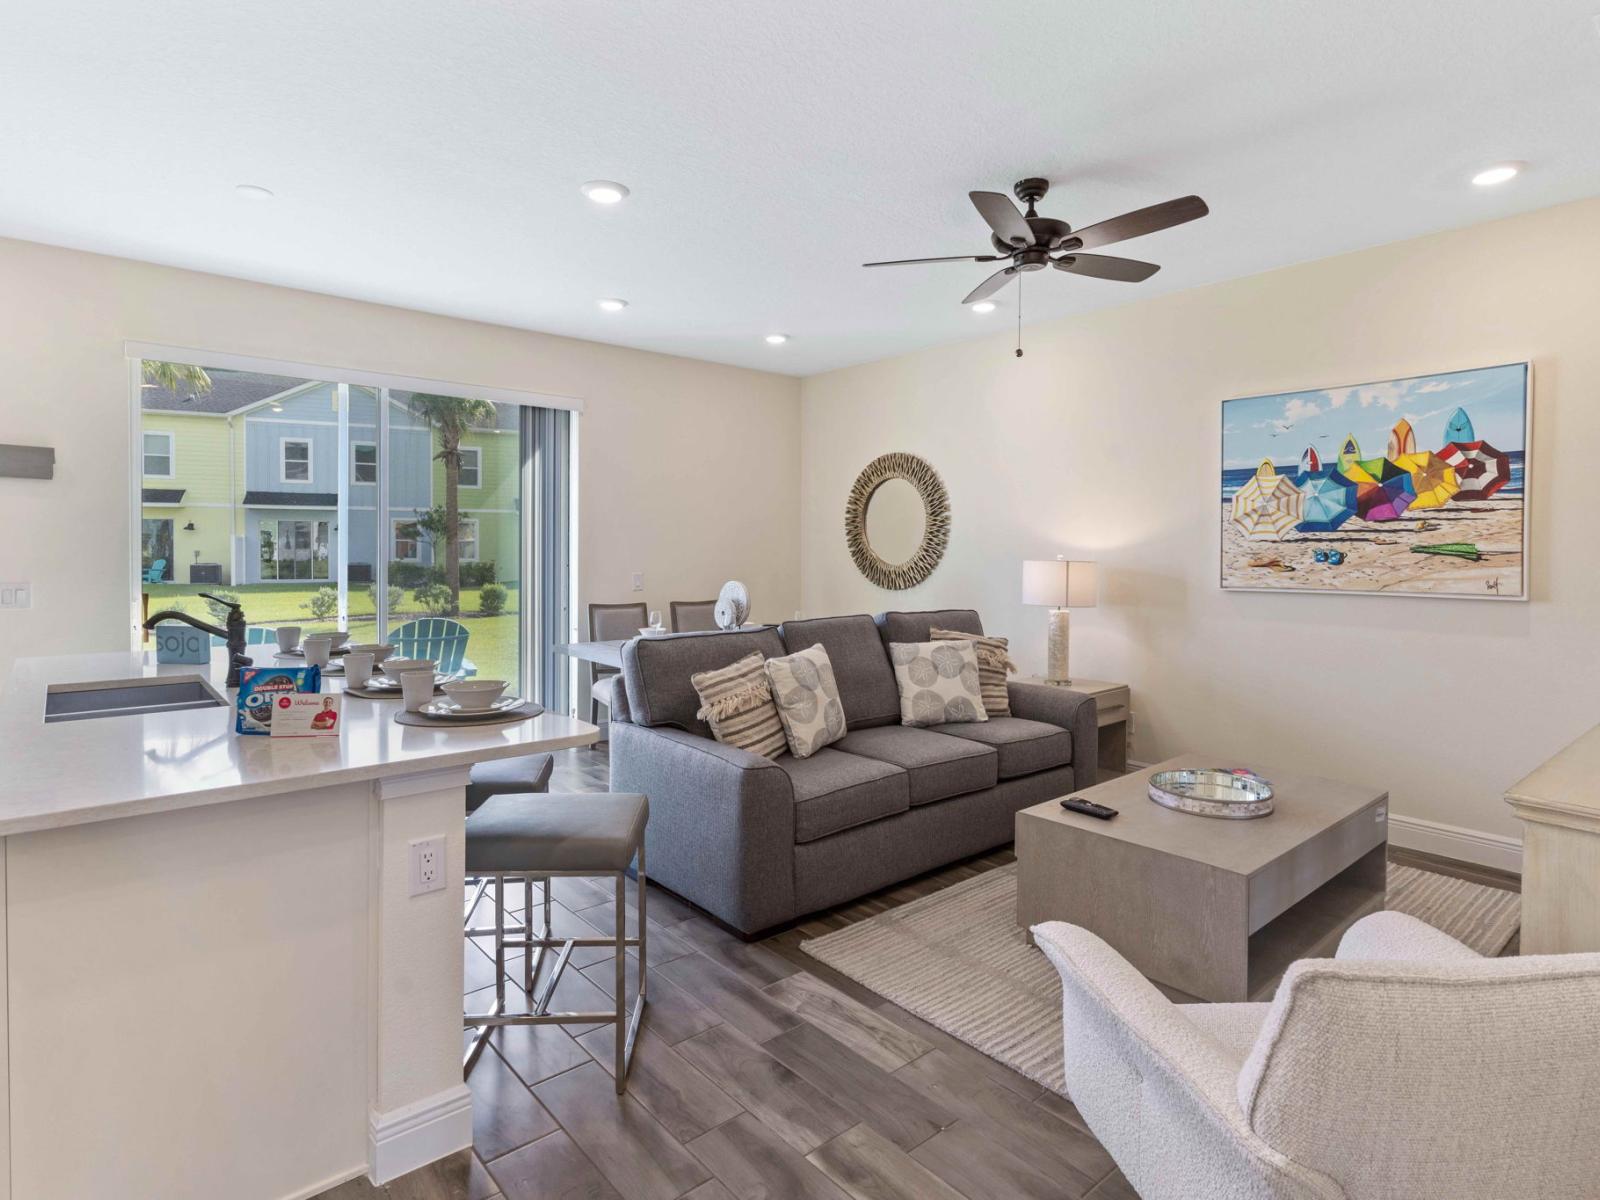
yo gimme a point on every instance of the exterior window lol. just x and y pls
(155, 549)
(469, 539)
(406, 541)
(294, 550)
(158, 456)
(363, 462)
(294, 460)
(471, 466)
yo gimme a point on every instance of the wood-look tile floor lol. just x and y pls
(759, 1073)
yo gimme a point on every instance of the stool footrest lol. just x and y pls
(480, 1020)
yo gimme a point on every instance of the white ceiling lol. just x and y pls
(427, 153)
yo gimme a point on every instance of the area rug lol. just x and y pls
(957, 959)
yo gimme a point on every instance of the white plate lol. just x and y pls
(382, 683)
(449, 708)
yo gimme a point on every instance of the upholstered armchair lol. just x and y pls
(1406, 1068)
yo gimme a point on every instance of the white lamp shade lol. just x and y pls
(1059, 583)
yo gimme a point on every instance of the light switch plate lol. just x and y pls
(638, 581)
(15, 595)
(427, 866)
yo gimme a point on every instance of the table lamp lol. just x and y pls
(1058, 584)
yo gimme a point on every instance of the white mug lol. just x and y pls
(416, 688)
(317, 648)
(357, 668)
(288, 638)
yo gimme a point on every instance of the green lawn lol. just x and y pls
(491, 644)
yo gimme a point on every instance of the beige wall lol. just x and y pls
(1103, 443)
(665, 443)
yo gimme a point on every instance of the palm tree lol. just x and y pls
(175, 377)
(450, 417)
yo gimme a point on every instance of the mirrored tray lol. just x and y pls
(1232, 793)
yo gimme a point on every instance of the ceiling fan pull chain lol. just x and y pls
(1019, 314)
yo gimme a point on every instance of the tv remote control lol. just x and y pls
(1088, 808)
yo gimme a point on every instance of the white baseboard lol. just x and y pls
(1452, 841)
(1449, 841)
(404, 1139)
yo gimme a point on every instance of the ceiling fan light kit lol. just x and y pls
(1034, 243)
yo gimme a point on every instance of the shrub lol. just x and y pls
(492, 600)
(397, 597)
(477, 574)
(219, 612)
(324, 603)
(413, 575)
(435, 597)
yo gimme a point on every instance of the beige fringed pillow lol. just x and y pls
(938, 682)
(994, 663)
(736, 701)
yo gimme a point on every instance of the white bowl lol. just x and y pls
(474, 695)
(340, 637)
(378, 650)
(654, 631)
(394, 666)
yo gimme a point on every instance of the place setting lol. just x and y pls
(465, 702)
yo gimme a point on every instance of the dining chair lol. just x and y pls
(610, 623)
(693, 616)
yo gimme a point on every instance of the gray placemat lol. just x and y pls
(394, 695)
(523, 712)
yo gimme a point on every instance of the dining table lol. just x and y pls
(602, 654)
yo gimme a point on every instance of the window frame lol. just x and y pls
(171, 456)
(415, 539)
(355, 464)
(461, 539)
(283, 459)
(477, 467)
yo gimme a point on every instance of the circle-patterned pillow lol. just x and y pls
(939, 682)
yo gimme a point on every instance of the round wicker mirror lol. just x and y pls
(895, 528)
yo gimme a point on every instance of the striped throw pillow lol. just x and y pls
(993, 664)
(736, 701)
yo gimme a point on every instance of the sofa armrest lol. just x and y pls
(1072, 711)
(721, 830)
(1396, 937)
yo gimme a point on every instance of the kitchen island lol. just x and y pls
(217, 980)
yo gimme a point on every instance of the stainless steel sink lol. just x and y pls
(129, 698)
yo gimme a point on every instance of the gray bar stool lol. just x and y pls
(539, 836)
(494, 777)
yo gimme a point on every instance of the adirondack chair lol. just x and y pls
(254, 635)
(156, 572)
(438, 638)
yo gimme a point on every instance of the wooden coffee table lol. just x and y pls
(1212, 909)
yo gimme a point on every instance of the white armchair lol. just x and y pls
(1407, 1068)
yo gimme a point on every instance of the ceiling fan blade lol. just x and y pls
(901, 262)
(1137, 223)
(1103, 266)
(1003, 217)
(990, 286)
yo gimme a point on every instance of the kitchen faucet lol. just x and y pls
(234, 633)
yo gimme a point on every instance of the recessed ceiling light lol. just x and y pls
(604, 191)
(253, 191)
(1497, 174)
(983, 306)
(612, 304)
(777, 339)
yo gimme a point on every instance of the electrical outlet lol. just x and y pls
(638, 581)
(427, 866)
(14, 595)
(1133, 724)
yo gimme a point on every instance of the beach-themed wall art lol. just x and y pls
(1412, 487)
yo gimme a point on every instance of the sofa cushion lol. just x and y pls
(1023, 746)
(994, 663)
(938, 682)
(918, 626)
(657, 671)
(808, 700)
(938, 766)
(834, 790)
(860, 665)
(737, 704)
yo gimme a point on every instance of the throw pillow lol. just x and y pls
(938, 682)
(736, 701)
(808, 700)
(993, 665)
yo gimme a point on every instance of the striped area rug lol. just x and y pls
(957, 959)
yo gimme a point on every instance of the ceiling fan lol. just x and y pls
(1032, 242)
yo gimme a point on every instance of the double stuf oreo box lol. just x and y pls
(260, 686)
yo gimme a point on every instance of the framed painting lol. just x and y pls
(1405, 487)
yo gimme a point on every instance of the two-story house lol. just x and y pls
(240, 484)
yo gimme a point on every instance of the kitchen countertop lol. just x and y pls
(75, 772)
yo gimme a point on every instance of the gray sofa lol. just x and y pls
(758, 842)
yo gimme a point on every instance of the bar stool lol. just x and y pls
(528, 773)
(538, 837)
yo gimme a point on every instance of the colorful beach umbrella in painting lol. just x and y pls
(1268, 505)
(1327, 501)
(1385, 498)
(1480, 469)
(1432, 479)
